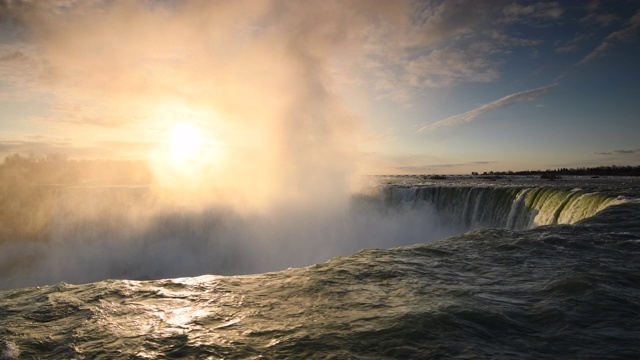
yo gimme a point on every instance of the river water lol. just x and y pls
(533, 270)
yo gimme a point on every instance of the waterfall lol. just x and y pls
(513, 208)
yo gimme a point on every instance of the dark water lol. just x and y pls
(560, 291)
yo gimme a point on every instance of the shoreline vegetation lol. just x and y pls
(613, 170)
(556, 174)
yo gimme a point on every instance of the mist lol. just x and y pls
(272, 185)
(262, 80)
(103, 232)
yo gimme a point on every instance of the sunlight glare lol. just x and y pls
(186, 142)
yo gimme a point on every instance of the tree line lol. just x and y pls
(612, 170)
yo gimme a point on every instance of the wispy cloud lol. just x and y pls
(624, 34)
(471, 115)
(12, 56)
(529, 12)
(19, 71)
(619, 152)
(448, 66)
(452, 42)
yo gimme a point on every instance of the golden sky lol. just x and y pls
(323, 89)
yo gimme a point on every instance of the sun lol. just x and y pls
(186, 141)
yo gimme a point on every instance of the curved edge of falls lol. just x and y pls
(514, 208)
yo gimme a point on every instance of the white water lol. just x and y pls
(513, 208)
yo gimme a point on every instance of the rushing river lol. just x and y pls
(462, 268)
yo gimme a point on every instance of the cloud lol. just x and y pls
(261, 75)
(494, 105)
(622, 35)
(600, 19)
(407, 47)
(444, 67)
(453, 42)
(12, 56)
(19, 71)
(448, 20)
(573, 44)
(598, 16)
(567, 48)
(482, 162)
(537, 11)
(619, 152)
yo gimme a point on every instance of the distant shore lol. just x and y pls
(613, 170)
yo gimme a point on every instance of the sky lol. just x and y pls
(311, 89)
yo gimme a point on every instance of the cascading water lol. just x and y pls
(514, 208)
